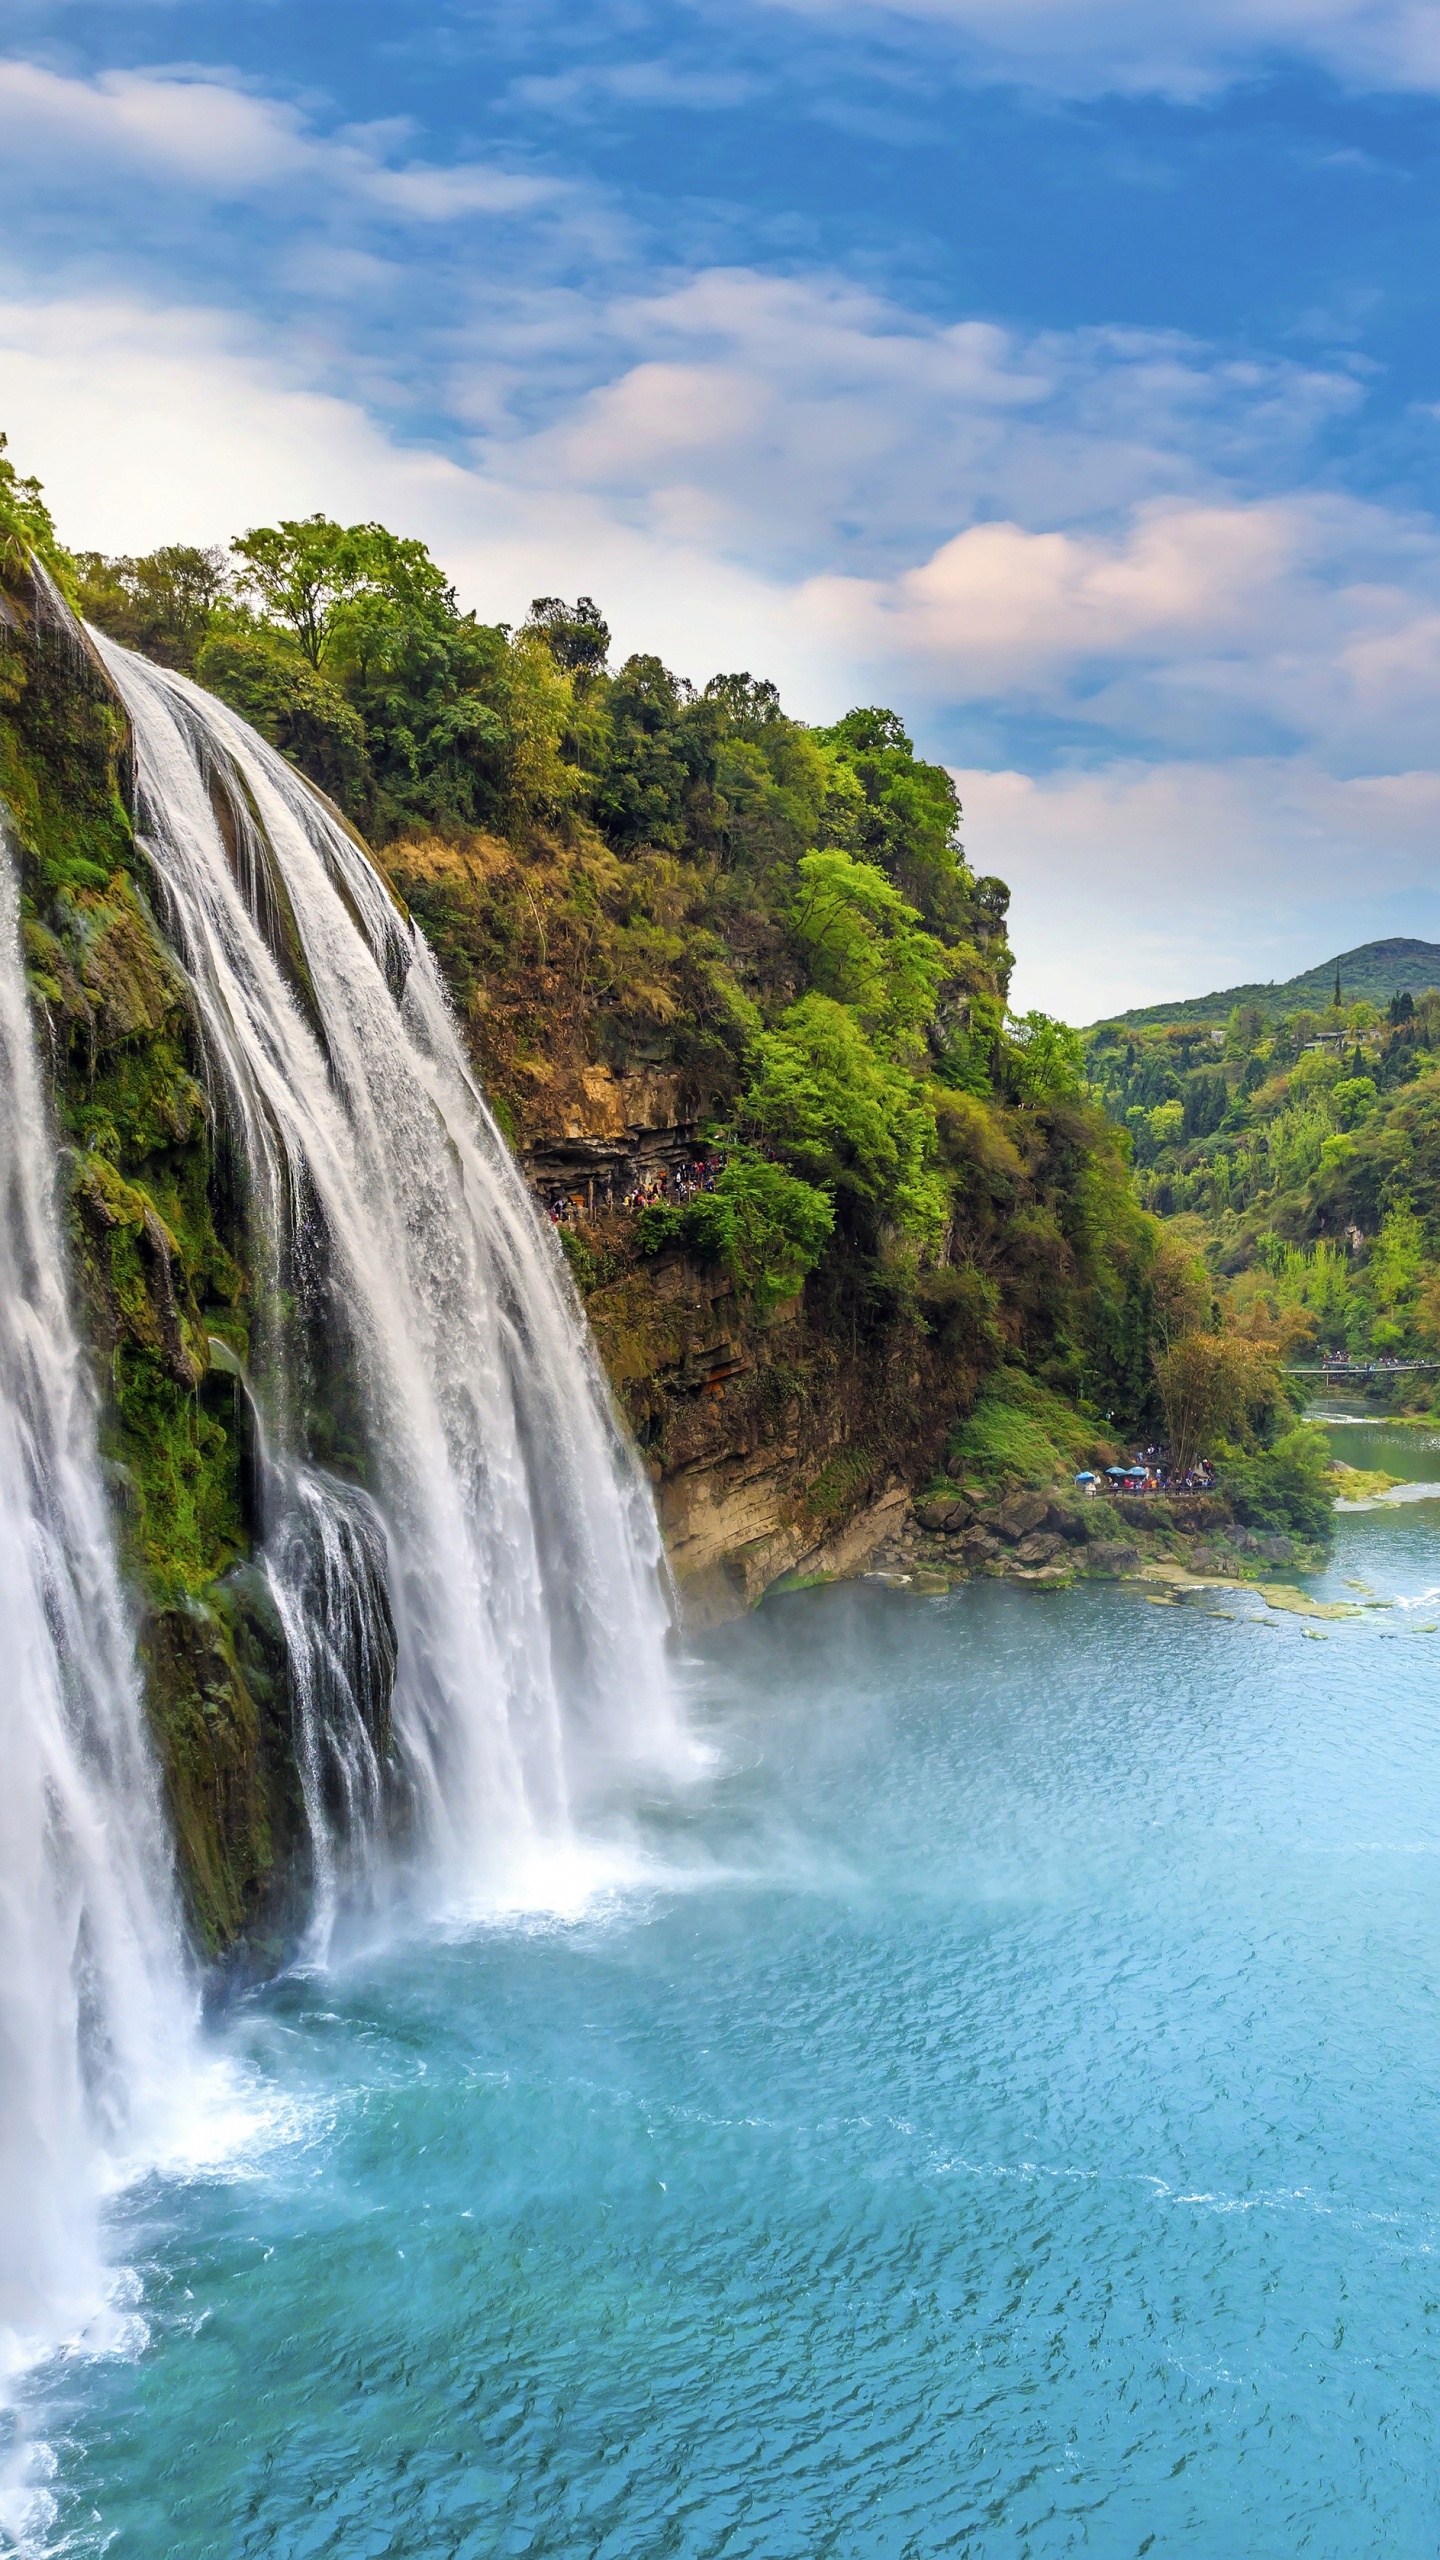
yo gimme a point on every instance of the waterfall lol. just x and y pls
(94, 2003)
(444, 1486)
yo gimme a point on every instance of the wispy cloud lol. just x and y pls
(218, 140)
(1114, 571)
(1185, 49)
(1134, 881)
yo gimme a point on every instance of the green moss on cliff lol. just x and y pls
(154, 1274)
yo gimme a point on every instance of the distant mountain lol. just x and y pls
(1378, 971)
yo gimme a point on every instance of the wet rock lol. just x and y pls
(1041, 1547)
(1069, 1522)
(1112, 1555)
(948, 1514)
(1263, 1542)
(978, 1546)
(1199, 1511)
(1022, 1513)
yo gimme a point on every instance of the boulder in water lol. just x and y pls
(1112, 1555)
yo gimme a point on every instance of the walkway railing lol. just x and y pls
(1355, 1368)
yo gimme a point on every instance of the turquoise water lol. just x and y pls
(999, 2115)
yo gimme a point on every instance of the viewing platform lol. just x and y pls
(1355, 1368)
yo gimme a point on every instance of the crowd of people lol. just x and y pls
(670, 1186)
(1151, 1472)
(675, 1185)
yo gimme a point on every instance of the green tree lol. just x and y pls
(843, 1117)
(297, 707)
(767, 1226)
(164, 604)
(1353, 1099)
(1045, 1060)
(864, 945)
(577, 635)
(314, 577)
(27, 529)
(909, 819)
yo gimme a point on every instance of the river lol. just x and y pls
(995, 2110)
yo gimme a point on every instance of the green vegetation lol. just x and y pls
(1301, 1153)
(1373, 973)
(1021, 1432)
(27, 530)
(1286, 1488)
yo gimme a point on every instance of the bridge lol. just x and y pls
(1355, 1368)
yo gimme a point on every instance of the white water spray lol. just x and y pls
(463, 1456)
(95, 2007)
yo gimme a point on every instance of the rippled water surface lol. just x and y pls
(1000, 2115)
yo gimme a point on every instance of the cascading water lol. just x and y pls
(442, 1476)
(95, 2006)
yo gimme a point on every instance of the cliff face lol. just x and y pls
(783, 1437)
(163, 1292)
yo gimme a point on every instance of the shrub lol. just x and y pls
(766, 1226)
(1286, 1487)
(1020, 1429)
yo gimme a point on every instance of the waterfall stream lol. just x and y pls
(95, 2004)
(444, 1488)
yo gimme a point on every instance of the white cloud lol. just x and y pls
(832, 425)
(222, 142)
(1139, 882)
(1000, 607)
(1189, 622)
(1148, 875)
(1183, 49)
(149, 426)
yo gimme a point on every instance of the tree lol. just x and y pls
(27, 529)
(1046, 1062)
(297, 707)
(866, 947)
(843, 1117)
(909, 820)
(1244, 1029)
(577, 635)
(1210, 1385)
(1353, 1099)
(317, 578)
(165, 604)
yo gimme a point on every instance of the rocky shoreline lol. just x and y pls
(1054, 1537)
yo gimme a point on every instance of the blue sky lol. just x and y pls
(1064, 372)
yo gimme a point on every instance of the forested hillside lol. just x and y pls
(1302, 1152)
(1372, 974)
